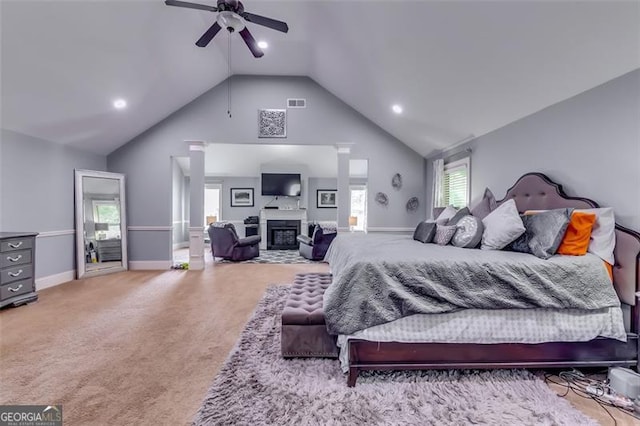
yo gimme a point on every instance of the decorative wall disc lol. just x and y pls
(396, 181)
(382, 199)
(413, 204)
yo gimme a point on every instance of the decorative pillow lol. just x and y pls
(446, 214)
(576, 239)
(603, 234)
(544, 233)
(521, 244)
(459, 215)
(425, 231)
(444, 234)
(502, 226)
(486, 205)
(469, 232)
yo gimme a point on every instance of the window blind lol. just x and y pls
(456, 185)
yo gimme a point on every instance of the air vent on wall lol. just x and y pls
(296, 103)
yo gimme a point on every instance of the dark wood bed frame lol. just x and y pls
(533, 191)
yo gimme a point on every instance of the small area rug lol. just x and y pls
(256, 386)
(274, 256)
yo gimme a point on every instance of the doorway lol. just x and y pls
(358, 208)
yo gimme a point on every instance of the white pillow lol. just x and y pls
(501, 227)
(603, 234)
(446, 214)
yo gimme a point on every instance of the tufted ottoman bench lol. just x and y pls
(304, 333)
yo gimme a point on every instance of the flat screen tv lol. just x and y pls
(284, 184)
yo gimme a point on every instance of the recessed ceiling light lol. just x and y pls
(397, 109)
(119, 104)
(263, 44)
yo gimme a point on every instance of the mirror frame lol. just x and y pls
(80, 243)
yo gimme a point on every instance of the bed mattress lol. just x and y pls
(484, 326)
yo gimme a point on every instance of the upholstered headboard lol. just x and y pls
(535, 191)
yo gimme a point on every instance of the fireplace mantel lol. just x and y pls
(278, 214)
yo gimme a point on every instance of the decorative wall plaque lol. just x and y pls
(413, 204)
(396, 181)
(272, 123)
(382, 199)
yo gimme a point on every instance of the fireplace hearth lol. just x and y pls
(281, 234)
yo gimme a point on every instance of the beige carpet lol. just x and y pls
(139, 347)
(132, 347)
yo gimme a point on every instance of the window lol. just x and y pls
(106, 215)
(212, 197)
(358, 196)
(456, 183)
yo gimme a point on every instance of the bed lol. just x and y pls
(533, 191)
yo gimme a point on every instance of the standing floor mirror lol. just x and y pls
(101, 229)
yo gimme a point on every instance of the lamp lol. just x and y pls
(211, 219)
(353, 222)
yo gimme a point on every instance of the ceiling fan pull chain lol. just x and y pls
(229, 79)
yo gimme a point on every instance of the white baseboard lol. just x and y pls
(184, 244)
(149, 265)
(55, 279)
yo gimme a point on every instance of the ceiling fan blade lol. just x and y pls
(190, 5)
(266, 22)
(208, 35)
(251, 43)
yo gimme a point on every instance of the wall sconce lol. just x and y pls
(353, 222)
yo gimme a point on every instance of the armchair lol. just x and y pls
(226, 244)
(316, 246)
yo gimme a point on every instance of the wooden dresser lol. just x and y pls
(17, 268)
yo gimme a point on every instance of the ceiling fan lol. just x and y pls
(230, 16)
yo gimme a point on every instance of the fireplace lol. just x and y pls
(282, 234)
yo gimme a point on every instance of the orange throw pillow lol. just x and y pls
(576, 239)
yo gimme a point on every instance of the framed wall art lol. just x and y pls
(327, 198)
(241, 197)
(272, 123)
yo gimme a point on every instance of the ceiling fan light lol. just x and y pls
(230, 21)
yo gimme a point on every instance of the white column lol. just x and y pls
(196, 203)
(344, 203)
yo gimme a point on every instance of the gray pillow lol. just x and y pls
(544, 232)
(459, 215)
(521, 244)
(469, 232)
(485, 206)
(444, 233)
(425, 232)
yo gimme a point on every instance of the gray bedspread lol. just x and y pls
(380, 278)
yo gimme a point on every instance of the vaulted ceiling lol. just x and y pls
(459, 68)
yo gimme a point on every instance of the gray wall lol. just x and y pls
(314, 213)
(326, 120)
(238, 213)
(589, 143)
(37, 187)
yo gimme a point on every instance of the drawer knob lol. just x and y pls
(14, 259)
(16, 274)
(15, 245)
(15, 289)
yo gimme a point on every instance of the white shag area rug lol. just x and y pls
(256, 386)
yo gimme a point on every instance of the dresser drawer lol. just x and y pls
(16, 244)
(17, 288)
(16, 273)
(13, 258)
